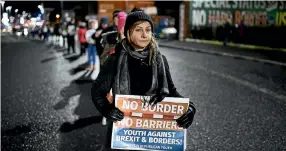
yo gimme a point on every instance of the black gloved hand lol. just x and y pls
(157, 98)
(115, 114)
(186, 119)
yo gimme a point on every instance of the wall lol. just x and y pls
(106, 8)
(265, 21)
(254, 13)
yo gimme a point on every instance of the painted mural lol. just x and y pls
(253, 13)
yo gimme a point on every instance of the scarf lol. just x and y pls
(122, 79)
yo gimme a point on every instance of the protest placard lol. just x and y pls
(149, 128)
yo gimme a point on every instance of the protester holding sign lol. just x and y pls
(136, 68)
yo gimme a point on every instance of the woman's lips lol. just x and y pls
(144, 41)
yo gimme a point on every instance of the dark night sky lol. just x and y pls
(28, 6)
(32, 6)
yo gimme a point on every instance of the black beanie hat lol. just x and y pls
(115, 13)
(137, 10)
(134, 17)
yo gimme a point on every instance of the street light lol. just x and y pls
(58, 16)
(8, 8)
(41, 8)
(2, 4)
(16, 10)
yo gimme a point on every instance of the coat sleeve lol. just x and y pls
(102, 85)
(172, 89)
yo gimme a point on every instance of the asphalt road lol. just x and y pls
(241, 105)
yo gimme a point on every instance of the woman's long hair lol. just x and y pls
(153, 43)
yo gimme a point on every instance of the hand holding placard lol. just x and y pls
(115, 114)
(156, 99)
(186, 120)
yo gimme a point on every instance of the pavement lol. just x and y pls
(46, 101)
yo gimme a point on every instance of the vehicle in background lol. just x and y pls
(164, 27)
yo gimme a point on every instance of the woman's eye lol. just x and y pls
(137, 30)
(148, 30)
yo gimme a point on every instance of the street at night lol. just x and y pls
(46, 104)
(193, 75)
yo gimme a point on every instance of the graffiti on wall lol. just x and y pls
(252, 13)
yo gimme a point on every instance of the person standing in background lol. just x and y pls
(71, 30)
(45, 30)
(92, 26)
(57, 34)
(51, 37)
(226, 32)
(112, 28)
(241, 28)
(103, 25)
(63, 32)
(81, 37)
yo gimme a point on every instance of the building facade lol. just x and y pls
(263, 21)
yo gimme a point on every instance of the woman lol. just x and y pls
(91, 45)
(57, 34)
(81, 37)
(102, 25)
(136, 68)
(63, 32)
(71, 31)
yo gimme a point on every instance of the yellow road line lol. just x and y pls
(215, 42)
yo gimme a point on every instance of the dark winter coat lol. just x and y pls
(140, 76)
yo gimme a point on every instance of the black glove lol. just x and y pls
(114, 114)
(186, 119)
(157, 98)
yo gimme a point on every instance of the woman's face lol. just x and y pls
(104, 25)
(115, 21)
(91, 25)
(141, 35)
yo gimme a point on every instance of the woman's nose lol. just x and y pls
(144, 34)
